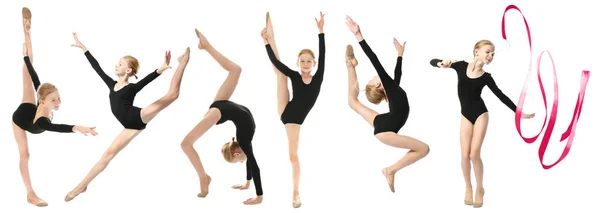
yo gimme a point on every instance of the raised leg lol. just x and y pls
(28, 89)
(293, 133)
(466, 134)
(418, 150)
(148, 113)
(228, 87)
(210, 119)
(283, 92)
(21, 137)
(479, 131)
(120, 142)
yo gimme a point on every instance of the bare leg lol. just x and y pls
(149, 112)
(210, 119)
(231, 82)
(283, 92)
(293, 133)
(21, 137)
(120, 142)
(466, 134)
(418, 150)
(479, 131)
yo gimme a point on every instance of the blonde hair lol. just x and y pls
(306, 51)
(133, 63)
(374, 95)
(482, 43)
(44, 90)
(228, 150)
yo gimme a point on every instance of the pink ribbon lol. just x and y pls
(570, 132)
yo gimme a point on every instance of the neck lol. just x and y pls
(123, 79)
(43, 111)
(305, 74)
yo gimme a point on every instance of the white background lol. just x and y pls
(341, 159)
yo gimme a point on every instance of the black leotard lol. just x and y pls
(244, 123)
(304, 96)
(25, 114)
(395, 119)
(469, 91)
(121, 101)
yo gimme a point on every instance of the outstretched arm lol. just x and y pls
(107, 80)
(321, 61)
(492, 85)
(46, 124)
(254, 173)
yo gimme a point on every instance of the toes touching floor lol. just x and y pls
(35, 112)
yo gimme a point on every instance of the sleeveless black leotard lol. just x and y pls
(469, 91)
(395, 119)
(25, 114)
(244, 122)
(121, 101)
(304, 96)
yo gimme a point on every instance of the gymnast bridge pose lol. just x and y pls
(221, 111)
(383, 87)
(36, 116)
(306, 89)
(471, 81)
(122, 95)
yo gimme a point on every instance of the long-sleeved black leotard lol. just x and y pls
(469, 91)
(24, 116)
(244, 122)
(121, 101)
(304, 96)
(395, 119)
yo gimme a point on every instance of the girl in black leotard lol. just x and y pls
(386, 125)
(122, 95)
(471, 81)
(305, 88)
(220, 111)
(36, 116)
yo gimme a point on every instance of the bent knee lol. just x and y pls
(172, 95)
(425, 150)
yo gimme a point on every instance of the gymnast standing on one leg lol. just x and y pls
(122, 95)
(380, 88)
(306, 89)
(220, 111)
(36, 116)
(471, 80)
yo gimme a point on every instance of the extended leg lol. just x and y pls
(479, 131)
(210, 119)
(28, 89)
(120, 142)
(283, 92)
(148, 113)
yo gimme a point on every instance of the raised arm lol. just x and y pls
(398, 70)
(492, 85)
(321, 61)
(280, 66)
(46, 124)
(107, 80)
(146, 80)
(32, 73)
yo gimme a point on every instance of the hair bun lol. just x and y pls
(232, 139)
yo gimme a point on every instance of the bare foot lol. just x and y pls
(389, 176)
(26, 14)
(185, 57)
(469, 196)
(202, 43)
(350, 55)
(479, 198)
(35, 200)
(296, 202)
(204, 183)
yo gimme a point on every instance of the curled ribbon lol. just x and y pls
(570, 132)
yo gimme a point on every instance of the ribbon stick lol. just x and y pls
(570, 132)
